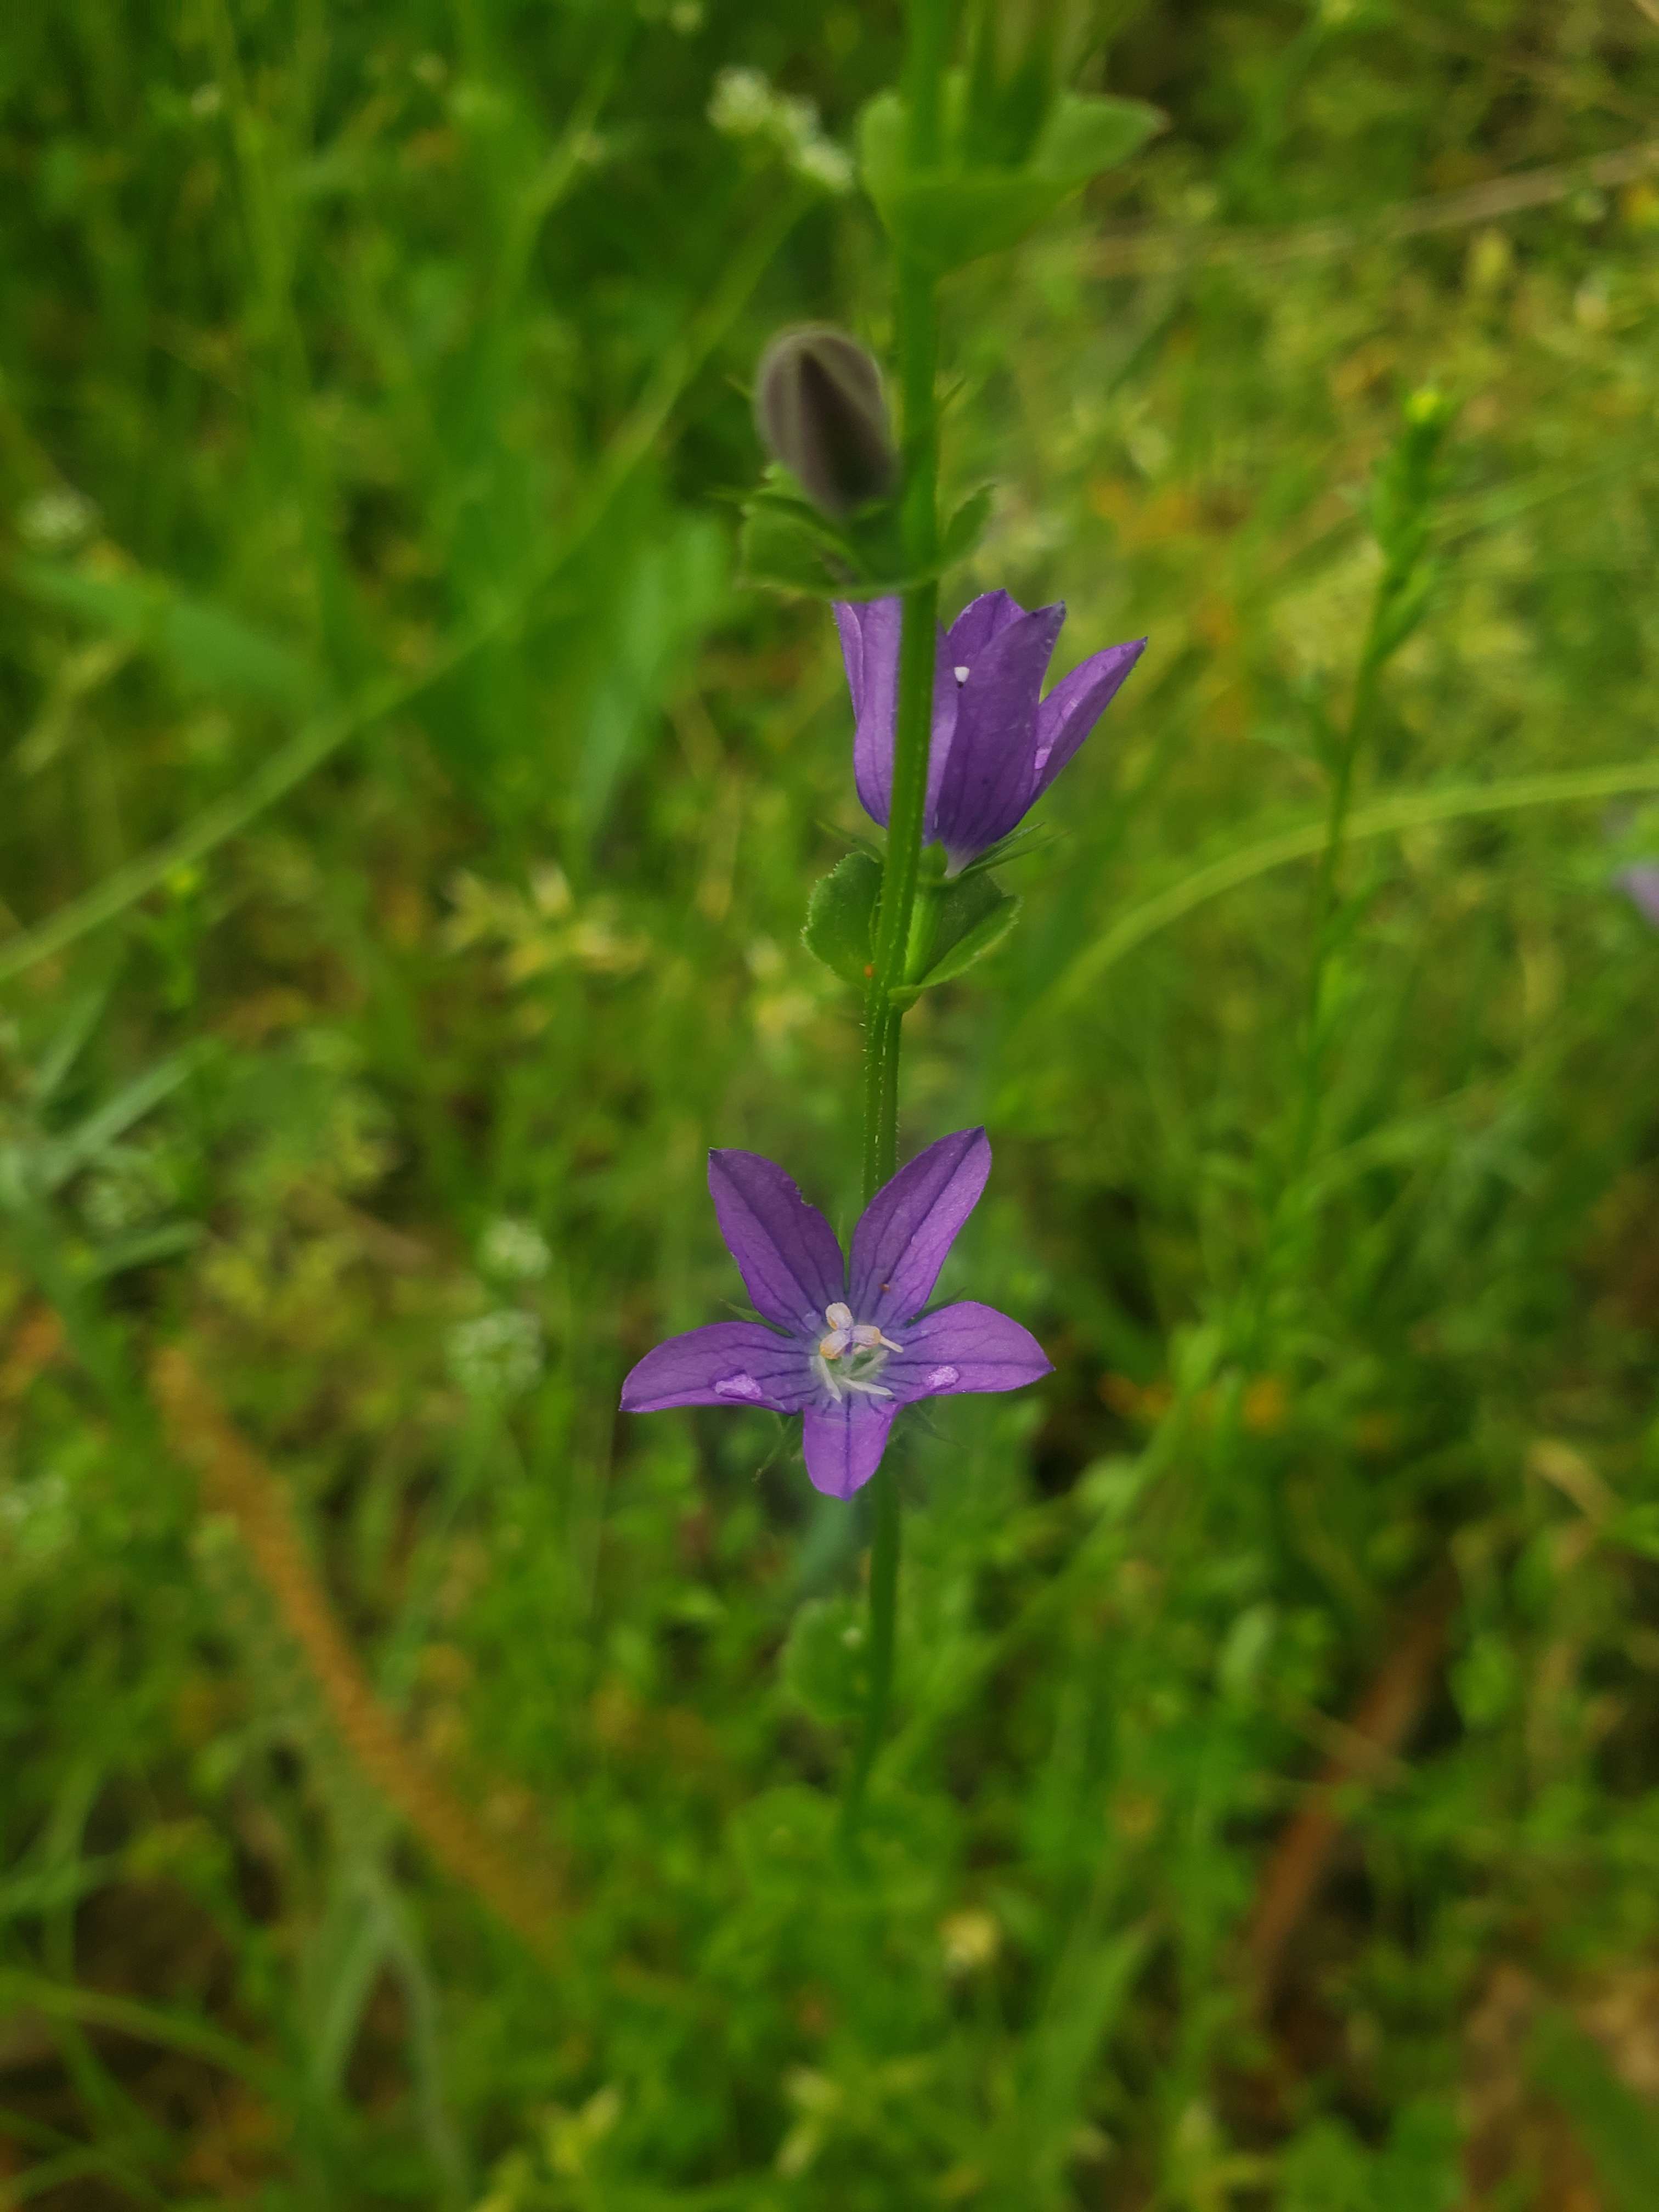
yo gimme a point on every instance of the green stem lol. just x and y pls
(884, 1617)
(1315, 1036)
(927, 33)
(918, 335)
(1339, 806)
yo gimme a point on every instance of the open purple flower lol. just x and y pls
(998, 744)
(849, 1343)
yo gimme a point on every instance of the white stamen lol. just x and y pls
(867, 1336)
(869, 1348)
(961, 675)
(831, 1382)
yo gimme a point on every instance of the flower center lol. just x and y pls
(852, 1355)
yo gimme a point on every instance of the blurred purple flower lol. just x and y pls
(997, 745)
(1641, 886)
(850, 1343)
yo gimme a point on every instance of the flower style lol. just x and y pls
(849, 1342)
(997, 745)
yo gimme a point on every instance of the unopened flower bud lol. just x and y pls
(819, 409)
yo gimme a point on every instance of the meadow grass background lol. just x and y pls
(429, 1799)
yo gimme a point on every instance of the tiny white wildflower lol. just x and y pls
(823, 162)
(513, 1251)
(498, 1356)
(741, 104)
(54, 520)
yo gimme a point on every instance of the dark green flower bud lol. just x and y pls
(819, 409)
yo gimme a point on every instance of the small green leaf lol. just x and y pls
(786, 545)
(1087, 133)
(965, 528)
(780, 550)
(881, 150)
(968, 918)
(950, 215)
(987, 933)
(840, 917)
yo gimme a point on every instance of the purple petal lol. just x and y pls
(731, 1363)
(786, 1251)
(966, 1346)
(1641, 885)
(910, 1225)
(988, 782)
(980, 621)
(870, 631)
(870, 647)
(1076, 704)
(844, 1443)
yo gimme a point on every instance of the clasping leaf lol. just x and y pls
(946, 217)
(840, 917)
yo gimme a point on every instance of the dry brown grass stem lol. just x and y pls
(234, 1480)
(1144, 249)
(1381, 1726)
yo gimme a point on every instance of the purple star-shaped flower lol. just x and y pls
(997, 743)
(850, 1343)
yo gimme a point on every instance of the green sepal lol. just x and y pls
(950, 215)
(840, 917)
(1020, 844)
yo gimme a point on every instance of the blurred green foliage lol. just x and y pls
(376, 371)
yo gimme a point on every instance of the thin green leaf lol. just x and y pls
(204, 644)
(70, 1154)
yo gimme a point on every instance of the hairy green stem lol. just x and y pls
(917, 320)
